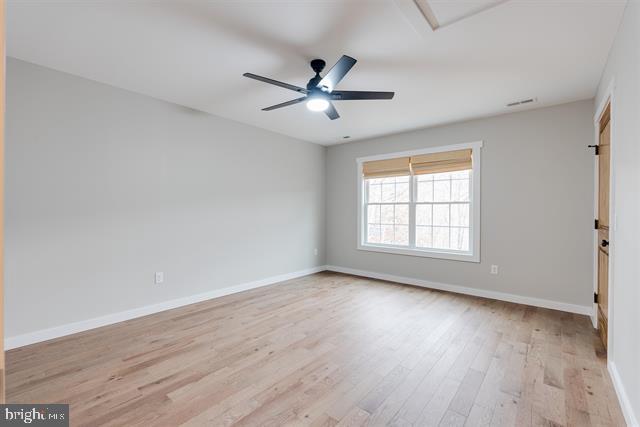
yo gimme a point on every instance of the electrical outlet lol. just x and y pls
(315, 251)
(494, 269)
(159, 277)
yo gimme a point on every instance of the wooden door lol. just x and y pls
(604, 157)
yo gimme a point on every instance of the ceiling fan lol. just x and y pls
(320, 90)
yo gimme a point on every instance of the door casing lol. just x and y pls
(607, 101)
(603, 223)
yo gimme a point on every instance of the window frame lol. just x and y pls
(473, 255)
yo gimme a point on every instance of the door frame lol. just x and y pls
(608, 99)
(3, 75)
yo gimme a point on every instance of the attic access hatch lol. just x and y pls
(441, 13)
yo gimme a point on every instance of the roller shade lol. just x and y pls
(385, 168)
(447, 161)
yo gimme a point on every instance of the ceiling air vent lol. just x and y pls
(521, 102)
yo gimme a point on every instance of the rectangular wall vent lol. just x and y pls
(524, 101)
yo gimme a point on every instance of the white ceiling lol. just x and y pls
(193, 53)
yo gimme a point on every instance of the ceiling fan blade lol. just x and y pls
(285, 104)
(348, 95)
(336, 73)
(331, 112)
(276, 82)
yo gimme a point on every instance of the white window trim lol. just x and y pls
(474, 254)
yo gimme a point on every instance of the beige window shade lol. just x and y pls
(448, 161)
(385, 168)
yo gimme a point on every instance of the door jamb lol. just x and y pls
(608, 99)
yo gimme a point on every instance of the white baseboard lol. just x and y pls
(109, 319)
(84, 325)
(536, 302)
(623, 398)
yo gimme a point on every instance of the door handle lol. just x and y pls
(604, 243)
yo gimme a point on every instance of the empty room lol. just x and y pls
(320, 213)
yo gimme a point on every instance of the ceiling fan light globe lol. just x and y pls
(317, 104)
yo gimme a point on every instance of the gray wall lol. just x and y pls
(104, 187)
(536, 207)
(624, 67)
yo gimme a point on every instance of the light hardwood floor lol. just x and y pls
(324, 350)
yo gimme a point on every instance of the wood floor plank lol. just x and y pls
(479, 416)
(325, 350)
(435, 410)
(452, 419)
(466, 394)
(355, 418)
(377, 395)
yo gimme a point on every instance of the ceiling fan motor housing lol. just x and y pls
(317, 65)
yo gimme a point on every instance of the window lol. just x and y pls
(423, 203)
(442, 210)
(388, 210)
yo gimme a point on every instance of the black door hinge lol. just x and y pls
(596, 224)
(597, 149)
(595, 298)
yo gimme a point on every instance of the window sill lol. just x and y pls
(455, 256)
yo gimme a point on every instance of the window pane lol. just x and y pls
(388, 193)
(442, 210)
(386, 214)
(460, 239)
(387, 234)
(373, 214)
(441, 215)
(424, 191)
(441, 237)
(460, 215)
(401, 235)
(423, 237)
(461, 174)
(402, 214)
(460, 190)
(374, 192)
(388, 224)
(441, 191)
(373, 233)
(446, 176)
(424, 215)
(402, 192)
